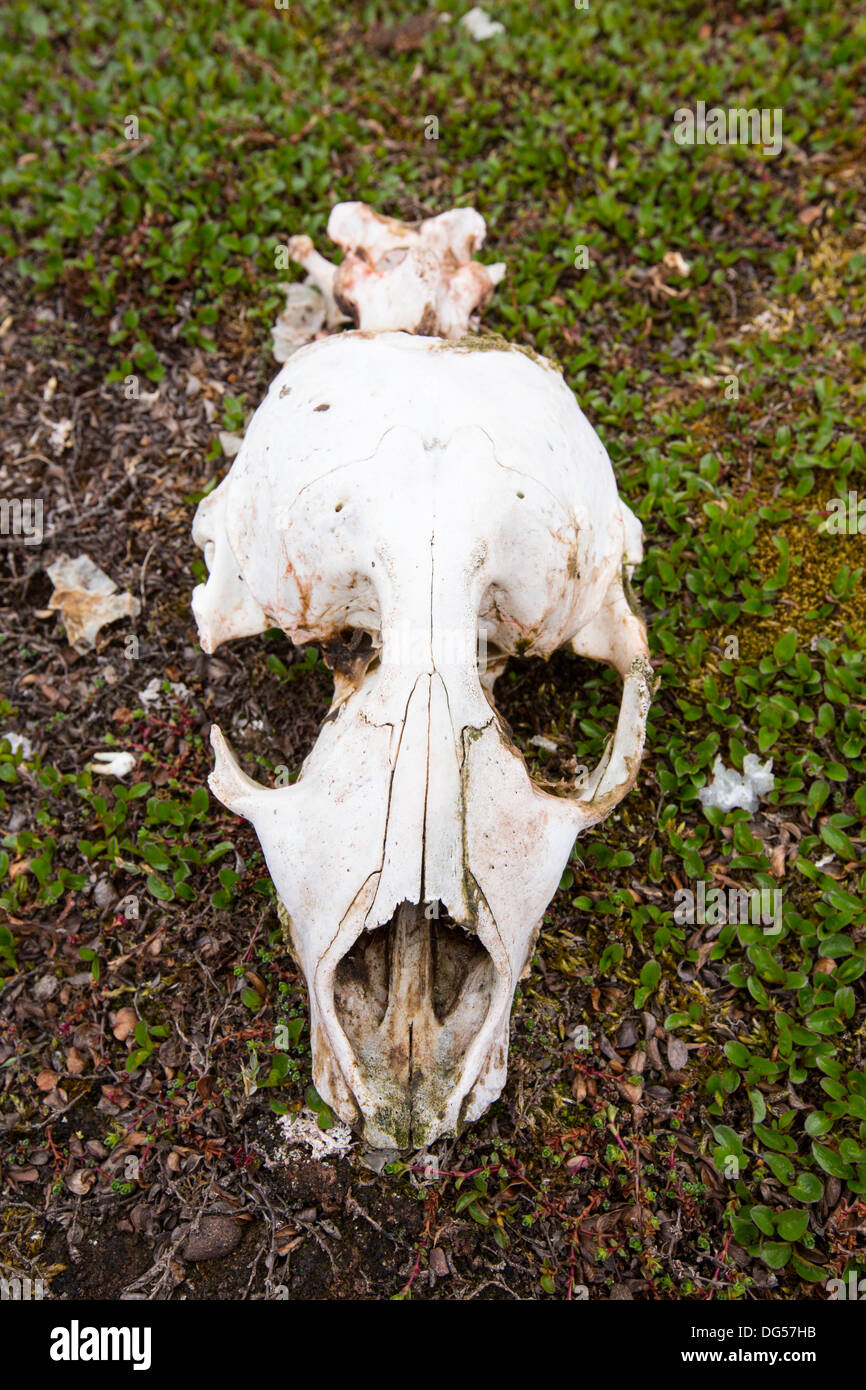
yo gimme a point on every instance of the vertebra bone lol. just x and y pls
(421, 279)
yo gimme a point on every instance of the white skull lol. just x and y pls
(393, 496)
(421, 279)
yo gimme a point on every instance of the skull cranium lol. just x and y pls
(393, 496)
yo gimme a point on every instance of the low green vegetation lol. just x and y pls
(153, 161)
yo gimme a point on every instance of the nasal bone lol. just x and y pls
(422, 859)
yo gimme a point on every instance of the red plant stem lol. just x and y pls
(720, 1264)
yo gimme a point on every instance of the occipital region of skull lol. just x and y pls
(395, 496)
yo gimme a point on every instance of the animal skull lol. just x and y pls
(396, 276)
(393, 496)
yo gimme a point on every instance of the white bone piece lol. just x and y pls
(87, 599)
(394, 496)
(421, 279)
(478, 23)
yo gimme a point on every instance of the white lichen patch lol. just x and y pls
(18, 743)
(300, 1137)
(730, 789)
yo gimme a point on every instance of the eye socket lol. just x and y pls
(289, 699)
(521, 495)
(529, 697)
(339, 507)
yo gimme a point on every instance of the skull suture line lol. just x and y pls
(394, 495)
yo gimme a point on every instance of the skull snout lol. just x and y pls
(412, 996)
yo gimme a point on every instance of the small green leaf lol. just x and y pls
(807, 1188)
(838, 842)
(817, 1123)
(736, 1053)
(763, 1219)
(829, 1161)
(792, 1224)
(806, 1270)
(781, 1166)
(782, 1143)
(775, 1254)
(745, 1232)
(159, 888)
(156, 857)
(313, 1099)
(650, 975)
